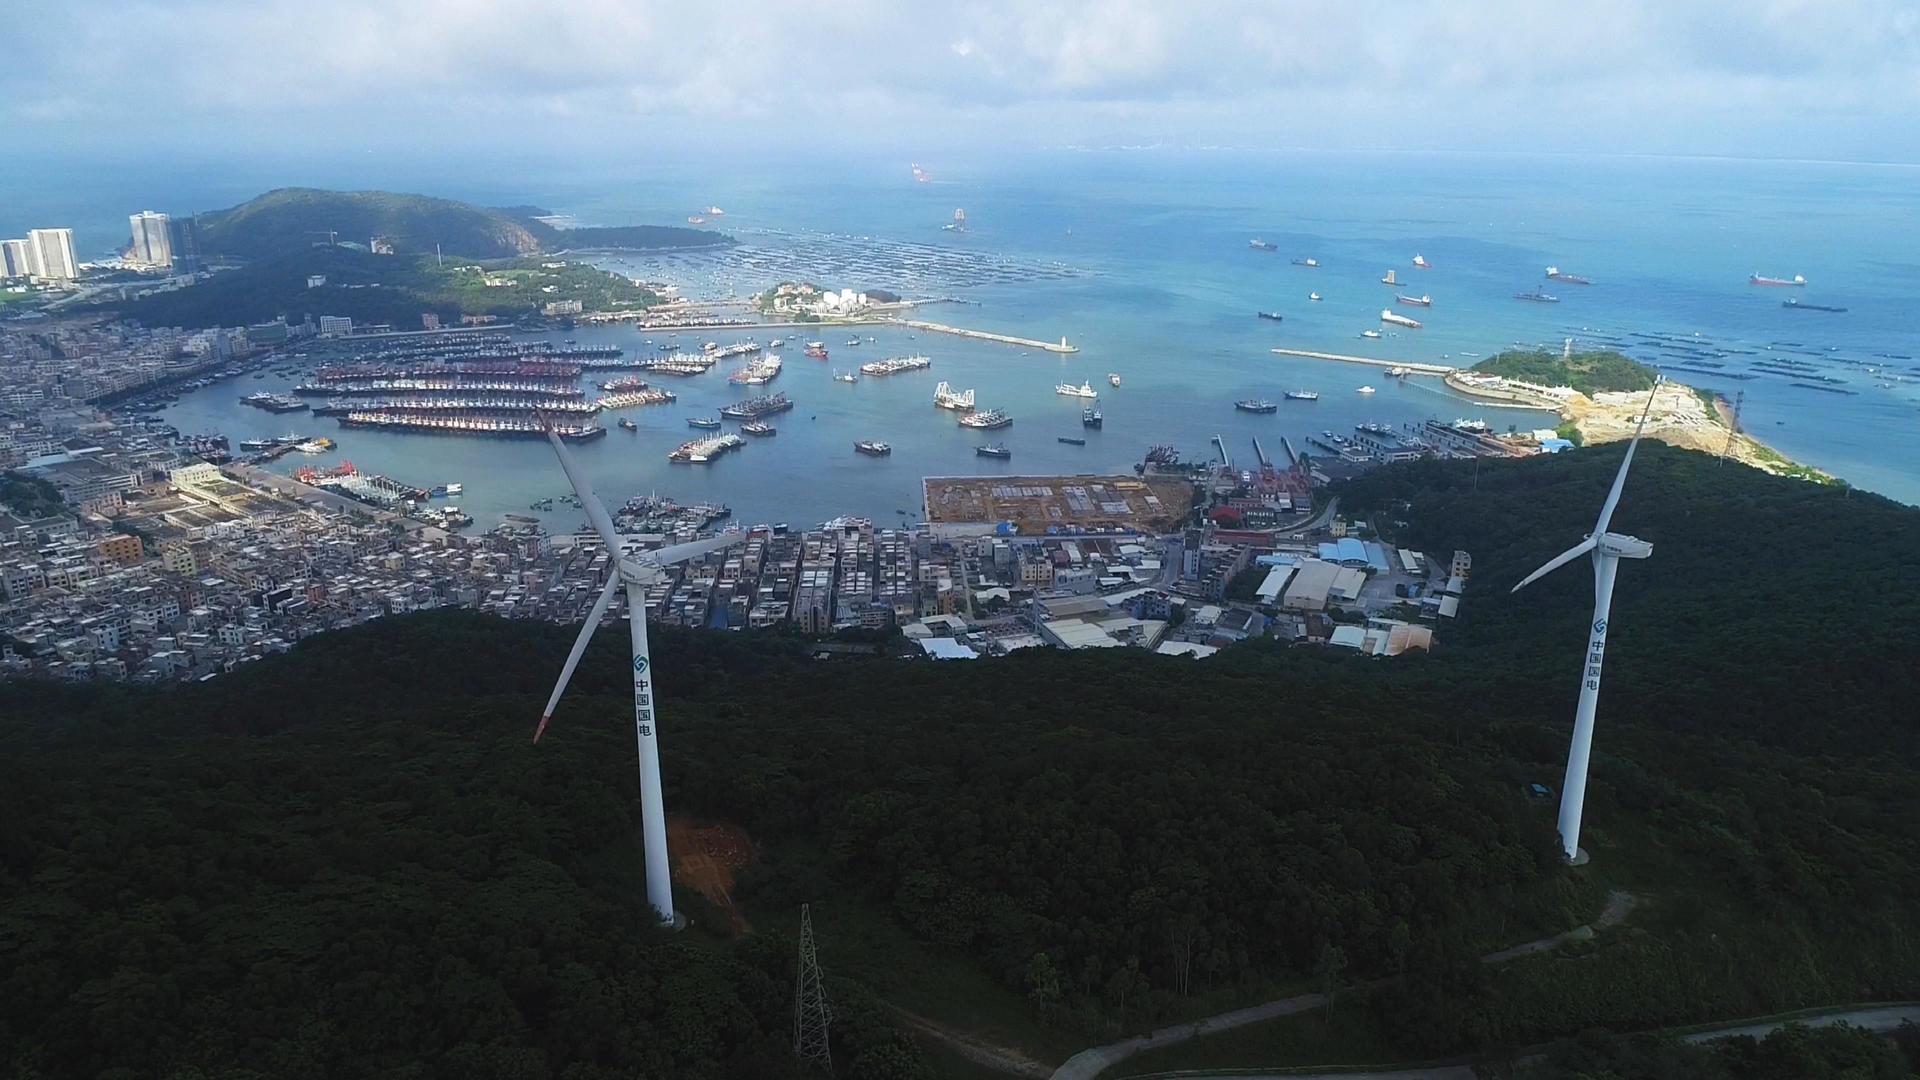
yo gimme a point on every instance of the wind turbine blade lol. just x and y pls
(597, 515)
(1557, 562)
(674, 553)
(579, 649)
(1620, 478)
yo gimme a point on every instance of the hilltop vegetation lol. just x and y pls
(369, 288)
(287, 220)
(1588, 372)
(352, 855)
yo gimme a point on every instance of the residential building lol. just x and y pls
(152, 239)
(52, 254)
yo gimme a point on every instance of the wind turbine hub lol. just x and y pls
(1624, 547)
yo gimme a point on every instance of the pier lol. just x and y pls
(1411, 366)
(983, 335)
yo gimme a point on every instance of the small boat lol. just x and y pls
(1308, 261)
(1113, 378)
(696, 219)
(1256, 405)
(628, 425)
(1421, 262)
(524, 519)
(995, 450)
(1422, 300)
(757, 428)
(1303, 395)
(704, 423)
(852, 341)
(845, 376)
(1261, 245)
(1370, 333)
(816, 344)
(1365, 390)
(876, 449)
(1796, 281)
(1274, 315)
(1313, 296)
(455, 489)
(1071, 440)
(1537, 297)
(1092, 418)
(1084, 390)
(815, 351)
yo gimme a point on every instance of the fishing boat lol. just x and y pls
(1554, 274)
(1274, 315)
(1365, 390)
(1303, 395)
(455, 489)
(1308, 261)
(1261, 245)
(1256, 405)
(1084, 390)
(1421, 262)
(704, 423)
(757, 428)
(1071, 440)
(944, 397)
(994, 450)
(1091, 418)
(1537, 297)
(988, 419)
(1313, 296)
(1388, 315)
(845, 376)
(1422, 300)
(873, 448)
(1113, 378)
(852, 341)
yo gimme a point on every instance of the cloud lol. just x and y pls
(1754, 76)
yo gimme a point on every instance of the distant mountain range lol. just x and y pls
(291, 219)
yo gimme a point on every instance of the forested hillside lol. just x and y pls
(353, 855)
(1589, 372)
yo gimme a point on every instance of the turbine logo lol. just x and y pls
(1600, 626)
(640, 665)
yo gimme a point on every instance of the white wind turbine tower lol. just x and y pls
(1607, 548)
(636, 572)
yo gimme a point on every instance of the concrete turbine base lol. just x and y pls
(1580, 857)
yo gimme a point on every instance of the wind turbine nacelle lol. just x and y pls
(1624, 547)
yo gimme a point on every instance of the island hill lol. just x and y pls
(390, 258)
(1600, 394)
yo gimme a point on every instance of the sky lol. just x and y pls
(1816, 79)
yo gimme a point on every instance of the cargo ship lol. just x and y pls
(1084, 390)
(1390, 279)
(755, 408)
(1309, 261)
(1554, 274)
(947, 398)
(989, 420)
(1389, 316)
(873, 448)
(704, 423)
(1796, 281)
(1422, 300)
(1091, 418)
(896, 365)
(1421, 262)
(993, 450)
(1809, 307)
(701, 451)
(1303, 395)
(1274, 315)
(1261, 245)
(1537, 297)
(1256, 405)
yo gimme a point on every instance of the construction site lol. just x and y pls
(1034, 504)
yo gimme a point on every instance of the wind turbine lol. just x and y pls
(1607, 548)
(635, 572)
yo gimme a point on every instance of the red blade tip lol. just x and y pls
(541, 730)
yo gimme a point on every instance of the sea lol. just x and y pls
(1143, 260)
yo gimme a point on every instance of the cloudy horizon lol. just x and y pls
(1768, 78)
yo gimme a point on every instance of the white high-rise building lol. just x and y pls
(16, 258)
(152, 239)
(53, 254)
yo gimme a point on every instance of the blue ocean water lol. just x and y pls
(1164, 292)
